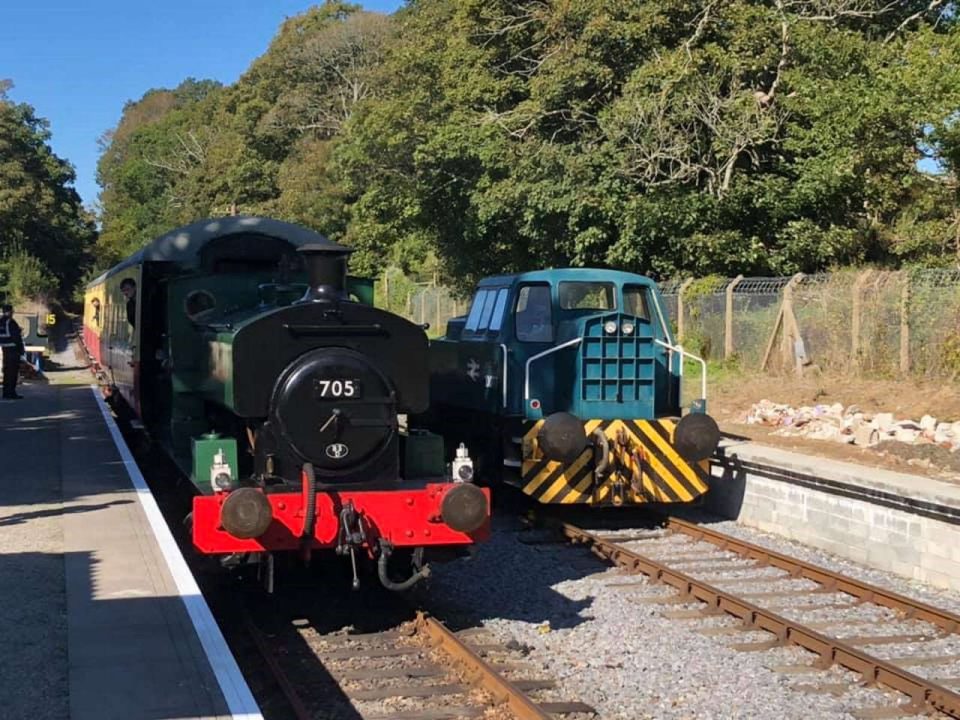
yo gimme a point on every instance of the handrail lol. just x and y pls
(683, 353)
(526, 373)
(666, 333)
(503, 347)
(661, 314)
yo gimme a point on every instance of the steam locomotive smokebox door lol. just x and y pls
(336, 410)
(422, 455)
(214, 456)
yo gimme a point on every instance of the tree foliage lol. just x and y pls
(45, 234)
(717, 136)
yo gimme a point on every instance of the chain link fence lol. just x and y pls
(866, 322)
(423, 301)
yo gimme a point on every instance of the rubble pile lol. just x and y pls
(850, 425)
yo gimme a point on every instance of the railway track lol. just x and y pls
(886, 639)
(419, 670)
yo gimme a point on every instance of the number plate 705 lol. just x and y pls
(337, 388)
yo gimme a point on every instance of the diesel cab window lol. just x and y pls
(473, 319)
(497, 320)
(635, 302)
(534, 314)
(587, 296)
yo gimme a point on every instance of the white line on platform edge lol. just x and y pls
(235, 690)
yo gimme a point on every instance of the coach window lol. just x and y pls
(95, 304)
(587, 296)
(534, 314)
(636, 301)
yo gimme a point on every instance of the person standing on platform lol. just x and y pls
(11, 341)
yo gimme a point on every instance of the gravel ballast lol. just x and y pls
(594, 629)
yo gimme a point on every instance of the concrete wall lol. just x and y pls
(868, 521)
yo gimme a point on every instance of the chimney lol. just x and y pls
(326, 265)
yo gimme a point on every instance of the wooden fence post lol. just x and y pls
(786, 324)
(905, 323)
(790, 329)
(857, 317)
(728, 319)
(680, 323)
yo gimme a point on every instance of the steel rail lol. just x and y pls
(280, 677)
(913, 609)
(477, 670)
(922, 692)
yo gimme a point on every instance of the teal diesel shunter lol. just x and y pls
(567, 384)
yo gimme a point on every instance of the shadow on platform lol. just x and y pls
(125, 658)
(56, 448)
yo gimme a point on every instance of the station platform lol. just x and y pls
(921, 492)
(891, 521)
(100, 617)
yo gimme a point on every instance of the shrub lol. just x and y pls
(25, 277)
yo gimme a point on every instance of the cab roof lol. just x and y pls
(556, 275)
(184, 244)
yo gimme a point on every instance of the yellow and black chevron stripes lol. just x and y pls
(643, 467)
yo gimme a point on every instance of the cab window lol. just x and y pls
(488, 306)
(198, 303)
(496, 321)
(534, 314)
(473, 319)
(636, 301)
(587, 296)
(486, 314)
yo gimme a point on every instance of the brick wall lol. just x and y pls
(895, 540)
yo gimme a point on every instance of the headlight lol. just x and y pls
(610, 327)
(627, 328)
(222, 482)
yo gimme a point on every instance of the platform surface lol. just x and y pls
(92, 623)
(917, 487)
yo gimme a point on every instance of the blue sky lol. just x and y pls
(78, 62)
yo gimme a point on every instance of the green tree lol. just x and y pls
(718, 136)
(148, 164)
(670, 137)
(260, 146)
(44, 229)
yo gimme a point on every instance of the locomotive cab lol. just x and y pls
(579, 375)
